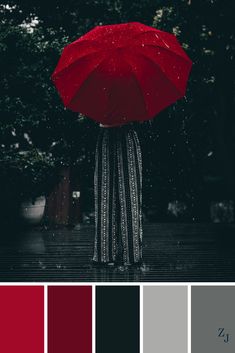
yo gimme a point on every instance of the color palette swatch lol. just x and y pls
(117, 318)
(69, 319)
(213, 319)
(22, 319)
(165, 319)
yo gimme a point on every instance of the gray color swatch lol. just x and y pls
(165, 319)
(213, 319)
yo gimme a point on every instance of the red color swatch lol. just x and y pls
(22, 319)
(69, 319)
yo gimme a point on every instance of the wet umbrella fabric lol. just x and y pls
(119, 73)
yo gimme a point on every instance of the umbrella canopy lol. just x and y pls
(119, 73)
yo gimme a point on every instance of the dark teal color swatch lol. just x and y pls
(117, 319)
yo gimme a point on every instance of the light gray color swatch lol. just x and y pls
(165, 319)
(213, 319)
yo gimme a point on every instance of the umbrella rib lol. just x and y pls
(87, 77)
(159, 68)
(74, 63)
(140, 89)
(159, 46)
(188, 60)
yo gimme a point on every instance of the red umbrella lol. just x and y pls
(122, 72)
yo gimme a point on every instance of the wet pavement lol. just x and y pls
(173, 252)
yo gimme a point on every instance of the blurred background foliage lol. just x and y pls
(188, 149)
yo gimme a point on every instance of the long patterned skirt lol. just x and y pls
(118, 196)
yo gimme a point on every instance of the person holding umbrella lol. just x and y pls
(119, 75)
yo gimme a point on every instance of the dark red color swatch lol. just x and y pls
(22, 319)
(69, 319)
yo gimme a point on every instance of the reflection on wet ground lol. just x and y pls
(172, 252)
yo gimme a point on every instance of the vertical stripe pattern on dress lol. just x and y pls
(105, 185)
(118, 196)
(134, 196)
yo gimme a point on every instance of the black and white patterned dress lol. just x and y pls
(118, 196)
